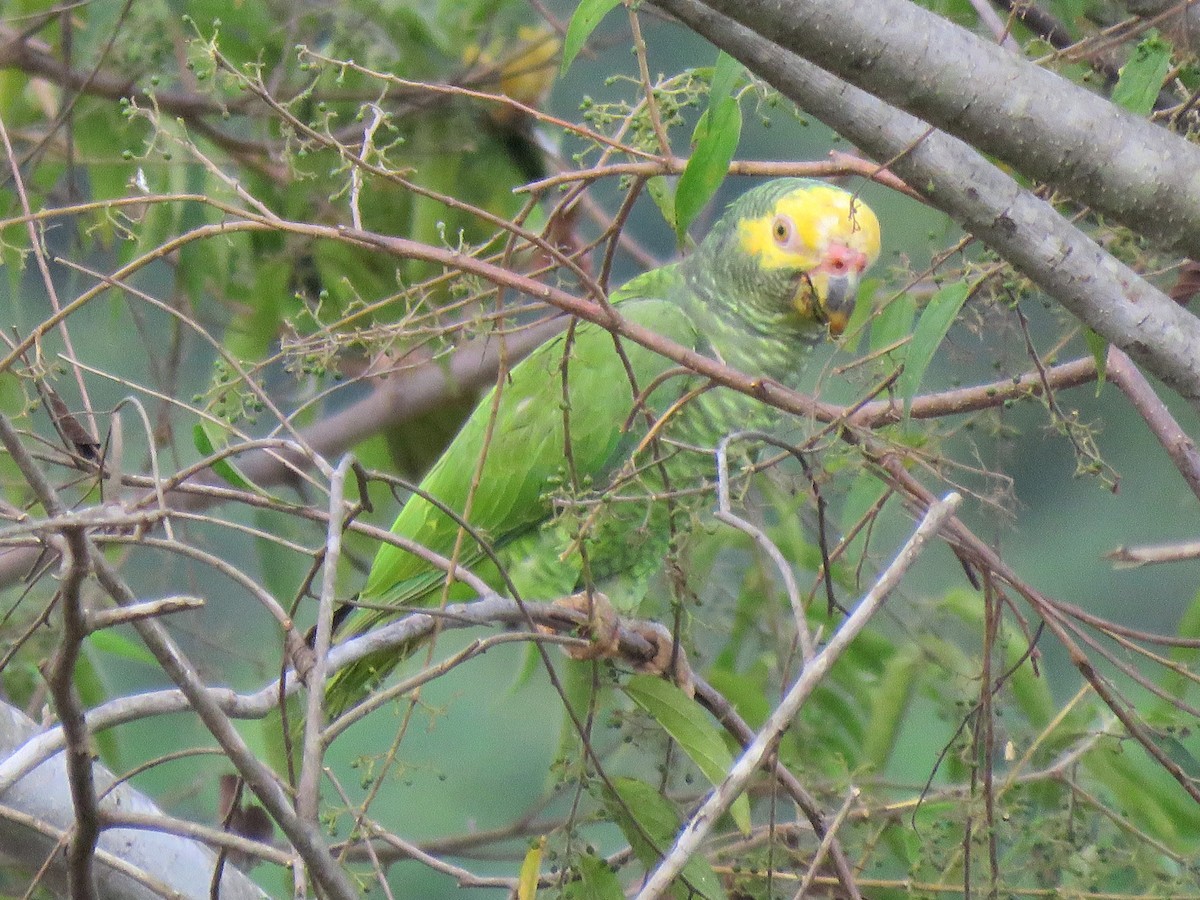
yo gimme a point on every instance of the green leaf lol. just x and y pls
(893, 322)
(223, 467)
(527, 882)
(687, 722)
(1142, 77)
(1030, 692)
(89, 681)
(1175, 682)
(724, 77)
(863, 494)
(106, 640)
(1179, 754)
(1099, 348)
(931, 330)
(587, 16)
(649, 822)
(716, 140)
(257, 324)
(747, 691)
(889, 705)
(864, 305)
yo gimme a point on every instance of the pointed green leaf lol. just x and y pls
(864, 305)
(223, 467)
(893, 322)
(724, 76)
(116, 644)
(931, 330)
(584, 21)
(687, 722)
(1142, 77)
(649, 822)
(1029, 689)
(889, 705)
(527, 882)
(716, 140)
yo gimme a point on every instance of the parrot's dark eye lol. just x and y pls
(782, 229)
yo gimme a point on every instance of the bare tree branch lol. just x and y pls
(306, 838)
(1040, 123)
(154, 857)
(1103, 292)
(722, 797)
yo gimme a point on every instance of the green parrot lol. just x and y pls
(778, 270)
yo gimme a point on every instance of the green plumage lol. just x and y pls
(577, 390)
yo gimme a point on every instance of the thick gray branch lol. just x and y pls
(44, 796)
(1036, 121)
(1103, 292)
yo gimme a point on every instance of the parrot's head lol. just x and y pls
(794, 249)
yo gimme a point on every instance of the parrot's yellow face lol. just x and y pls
(823, 235)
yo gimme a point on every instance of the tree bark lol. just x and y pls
(44, 795)
(1043, 125)
(1100, 290)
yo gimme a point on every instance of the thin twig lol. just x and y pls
(827, 841)
(107, 618)
(1152, 554)
(725, 514)
(313, 750)
(307, 839)
(764, 742)
(639, 48)
(356, 177)
(39, 255)
(724, 713)
(1179, 446)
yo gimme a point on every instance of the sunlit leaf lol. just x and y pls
(527, 881)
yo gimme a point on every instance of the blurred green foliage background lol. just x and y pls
(483, 738)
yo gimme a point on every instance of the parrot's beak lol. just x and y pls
(836, 301)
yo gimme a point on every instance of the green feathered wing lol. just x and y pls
(775, 274)
(514, 449)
